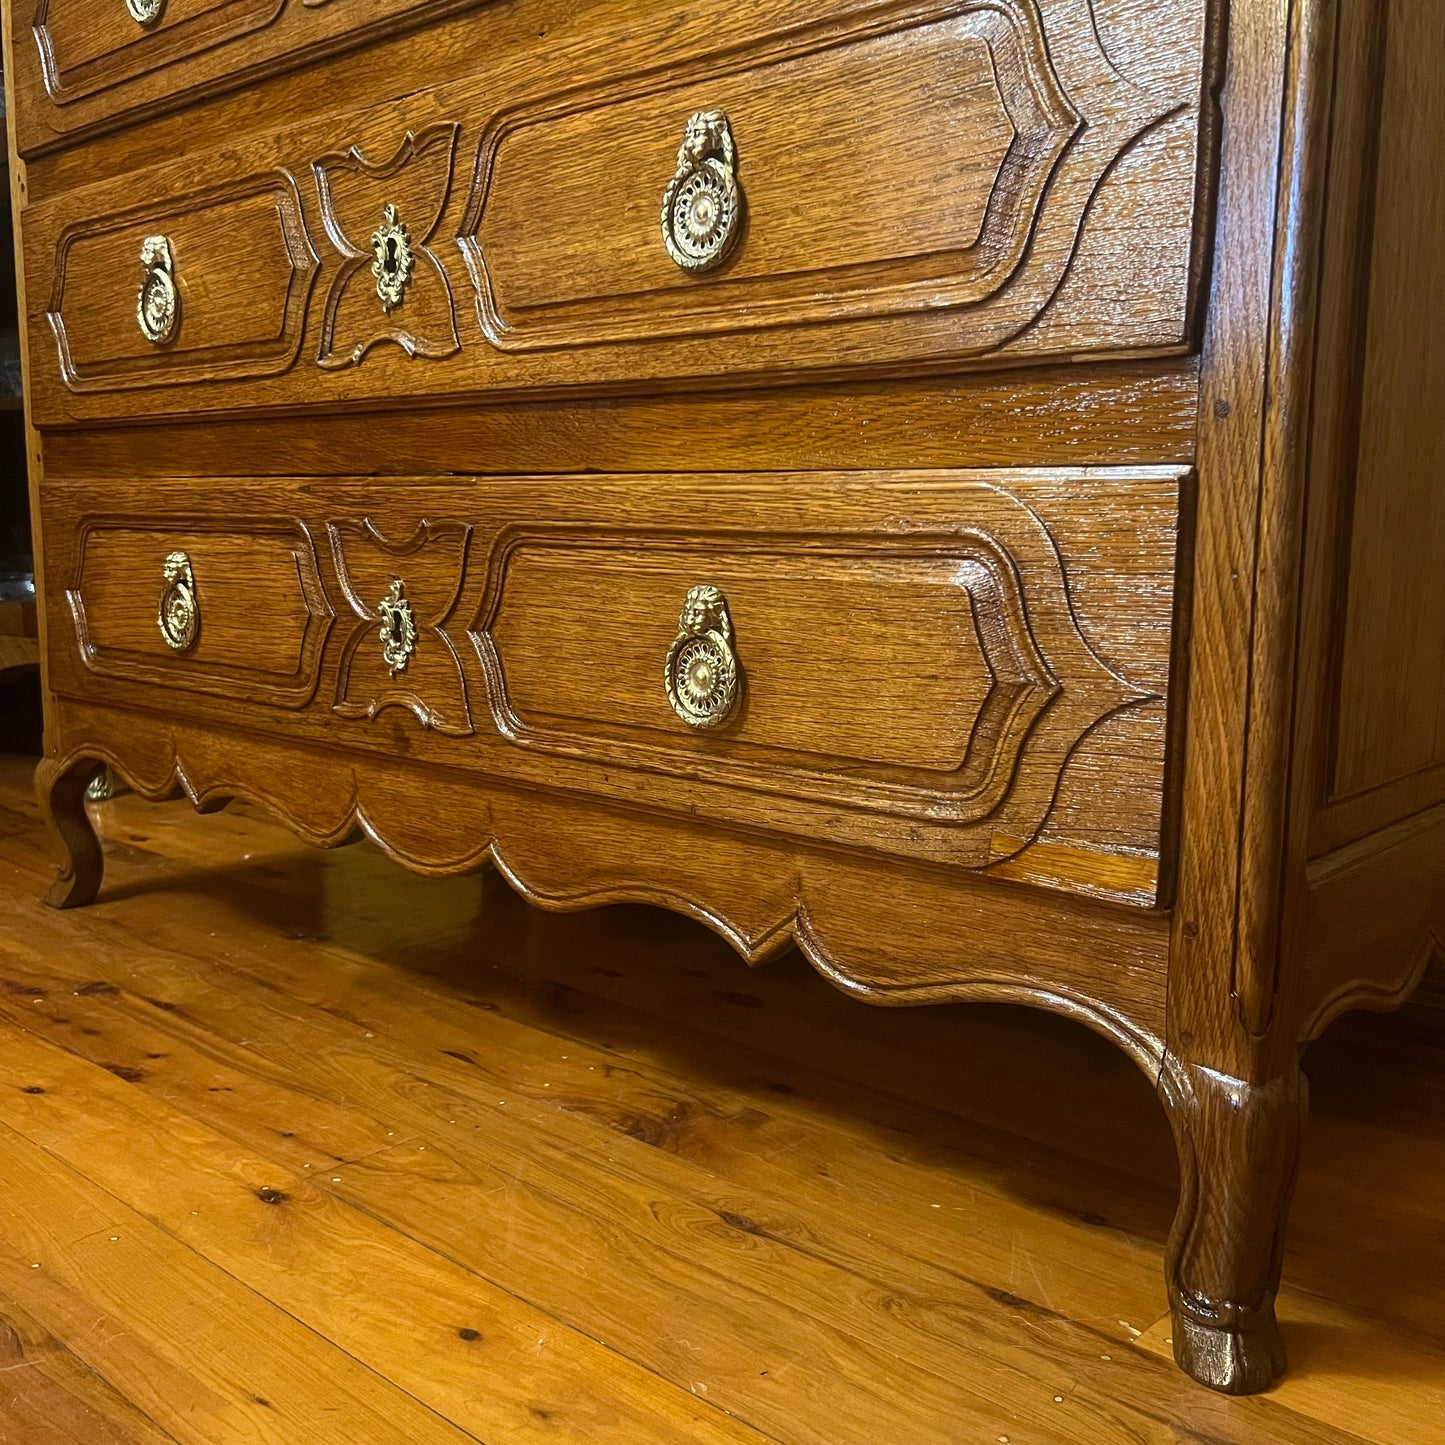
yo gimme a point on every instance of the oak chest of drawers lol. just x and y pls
(954, 484)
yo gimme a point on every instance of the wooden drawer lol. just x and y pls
(916, 664)
(210, 605)
(83, 65)
(1026, 200)
(966, 668)
(209, 316)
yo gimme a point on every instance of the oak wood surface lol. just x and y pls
(1027, 616)
(1084, 239)
(259, 564)
(933, 934)
(244, 319)
(82, 66)
(1370, 742)
(698, 1188)
(1121, 414)
(1391, 720)
(1211, 303)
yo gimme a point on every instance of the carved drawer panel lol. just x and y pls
(909, 662)
(992, 140)
(208, 286)
(965, 668)
(206, 605)
(971, 669)
(83, 64)
(564, 215)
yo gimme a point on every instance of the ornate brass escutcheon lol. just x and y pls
(398, 628)
(179, 617)
(158, 306)
(145, 12)
(394, 260)
(702, 211)
(702, 675)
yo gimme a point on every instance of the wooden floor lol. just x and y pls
(298, 1149)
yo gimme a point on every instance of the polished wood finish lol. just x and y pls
(61, 790)
(1376, 665)
(1124, 414)
(1049, 431)
(246, 272)
(274, 660)
(538, 266)
(82, 66)
(1027, 616)
(413, 1114)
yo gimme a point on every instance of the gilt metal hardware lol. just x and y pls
(394, 260)
(702, 675)
(398, 628)
(158, 306)
(145, 12)
(180, 612)
(702, 210)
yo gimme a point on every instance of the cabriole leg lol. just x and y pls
(61, 791)
(1238, 1148)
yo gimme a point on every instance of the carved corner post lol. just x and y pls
(61, 790)
(1230, 1078)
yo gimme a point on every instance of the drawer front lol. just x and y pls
(882, 168)
(212, 287)
(233, 610)
(87, 64)
(900, 675)
(966, 668)
(957, 180)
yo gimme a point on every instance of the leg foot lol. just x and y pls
(61, 791)
(1241, 1359)
(1238, 1148)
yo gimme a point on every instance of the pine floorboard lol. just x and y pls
(299, 1149)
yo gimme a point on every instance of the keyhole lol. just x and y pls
(391, 260)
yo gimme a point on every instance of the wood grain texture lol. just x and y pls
(945, 286)
(627, 1135)
(1119, 414)
(83, 67)
(1391, 721)
(1371, 746)
(48, 1396)
(1259, 972)
(91, 1249)
(1365, 907)
(263, 614)
(1026, 616)
(245, 273)
(61, 791)
(938, 428)
(1229, 1082)
(1029, 103)
(933, 935)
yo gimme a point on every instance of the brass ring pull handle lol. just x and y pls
(145, 12)
(398, 628)
(180, 612)
(158, 306)
(702, 211)
(702, 675)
